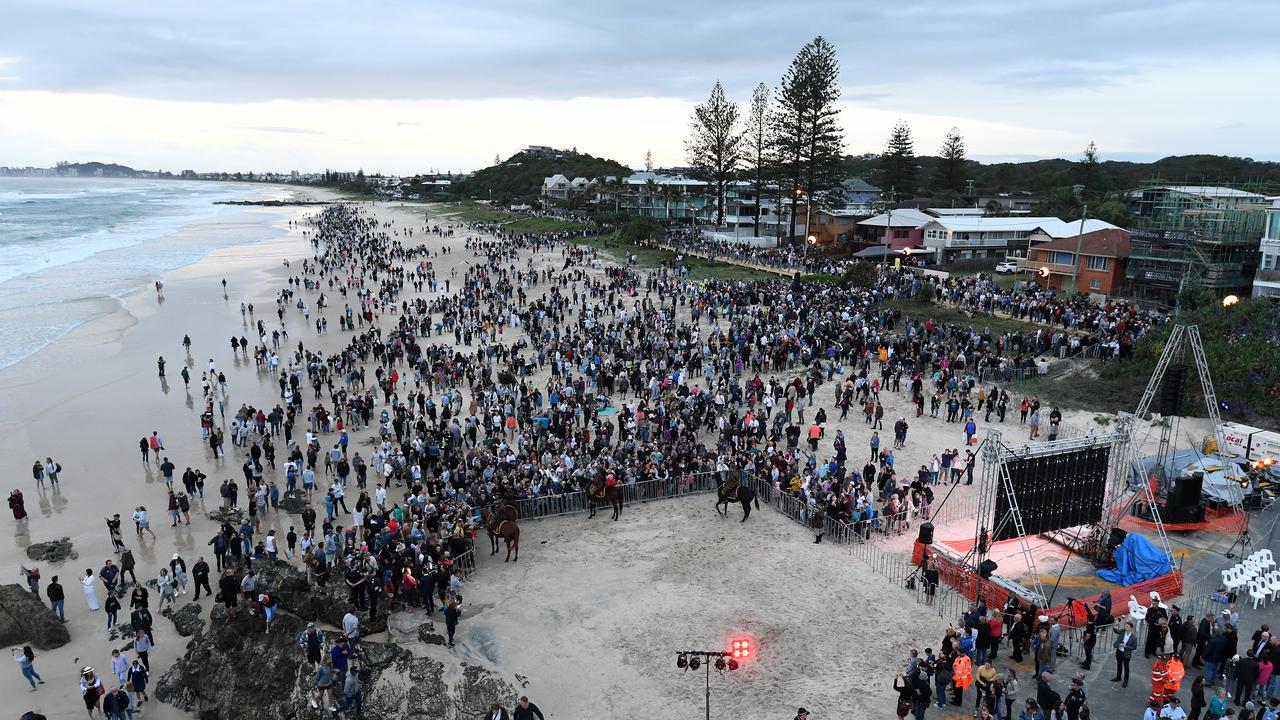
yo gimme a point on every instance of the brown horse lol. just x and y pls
(601, 493)
(502, 527)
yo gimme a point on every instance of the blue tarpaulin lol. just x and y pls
(1136, 560)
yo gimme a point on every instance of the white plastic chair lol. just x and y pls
(1258, 594)
(1264, 559)
(1136, 612)
(1273, 584)
(1234, 579)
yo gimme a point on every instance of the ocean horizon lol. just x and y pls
(71, 248)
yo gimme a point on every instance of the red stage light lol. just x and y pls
(740, 648)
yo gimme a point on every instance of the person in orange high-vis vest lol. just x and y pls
(1173, 677)
(1159, 676)
(961, 678)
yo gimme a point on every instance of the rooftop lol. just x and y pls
(1112, 242)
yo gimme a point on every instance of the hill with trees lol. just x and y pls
(1041, 176)
(519, 177)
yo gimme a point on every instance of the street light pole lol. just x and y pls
(1075, 265)
(888, 228)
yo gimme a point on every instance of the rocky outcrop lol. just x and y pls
(293, 501)
(237, 671)
(54, 551)
(287, 584)
(25, 620)
(186, 619)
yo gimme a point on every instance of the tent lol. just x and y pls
(1137, 560)
(1217, 483)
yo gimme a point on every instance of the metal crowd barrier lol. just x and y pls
(576, 502)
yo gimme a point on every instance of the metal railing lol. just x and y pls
(575, 502)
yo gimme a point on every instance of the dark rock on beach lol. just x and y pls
(25, 619)
(54, 551)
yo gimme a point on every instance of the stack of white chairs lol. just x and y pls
(1258, 574)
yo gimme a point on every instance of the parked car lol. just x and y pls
(1007, 266)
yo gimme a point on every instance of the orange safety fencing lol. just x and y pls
(964, 580)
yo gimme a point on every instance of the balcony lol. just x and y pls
(1054, 268)
(1268, 277)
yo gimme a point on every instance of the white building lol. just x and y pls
(954, 238)
(1266, 282)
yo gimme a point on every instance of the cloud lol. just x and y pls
(404, 123)
(278, 129)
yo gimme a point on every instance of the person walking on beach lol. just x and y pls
(25, 657)
(142, 523)
(144, 447)
(37, 472)
(91, 690)
(200, 574)
(160, 364)
(51, 470)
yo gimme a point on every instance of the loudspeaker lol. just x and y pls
(1171, 390)
(926, 534)
(1187, 491)
(986, 568)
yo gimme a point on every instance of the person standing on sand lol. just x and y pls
(37, 472)
(56, 597)
(17, 505)
(113, 529)
(90, 592)
(160, 364)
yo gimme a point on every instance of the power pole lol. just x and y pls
(1075, 266)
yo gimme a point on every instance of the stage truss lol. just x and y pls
(1090, 540)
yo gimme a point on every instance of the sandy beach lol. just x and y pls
(591, 616)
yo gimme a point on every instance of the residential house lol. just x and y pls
(559, 189)
(859, 196)
(1100, 270)
(1266, 282)
(904, 226)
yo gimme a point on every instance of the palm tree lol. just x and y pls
(651, 189)
(669, 193)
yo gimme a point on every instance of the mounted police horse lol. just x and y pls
(734, 491)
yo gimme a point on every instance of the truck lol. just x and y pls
(1250, 444)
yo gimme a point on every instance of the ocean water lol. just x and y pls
(70, 248)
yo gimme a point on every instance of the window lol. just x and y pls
(1095, 284)
(899, 234)
(1060, 258)
(1100, 264)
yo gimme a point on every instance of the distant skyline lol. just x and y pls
(403, 87)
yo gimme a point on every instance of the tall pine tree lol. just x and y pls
(1090, 171)
(715, 146)
(898, 163)
(950, 174)
(757, 143)
(806, 124)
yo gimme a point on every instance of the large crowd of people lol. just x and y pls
(481, 386)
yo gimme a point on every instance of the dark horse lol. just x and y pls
(502, 526)
(602, 493)
(746, 494)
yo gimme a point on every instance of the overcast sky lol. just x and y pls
(420, 84)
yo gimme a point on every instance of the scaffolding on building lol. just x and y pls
(1205, 235)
